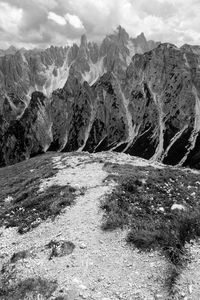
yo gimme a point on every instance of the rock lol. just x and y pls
(159, 297)
(151, 254)
(84, 294)
(8, 199)
(161, 209)
(178, 207)
(83, 287)
(129, 265)
(60, 248)
(190, 289)
(83, 246)
(99, 279)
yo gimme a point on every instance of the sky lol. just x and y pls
(41, 23)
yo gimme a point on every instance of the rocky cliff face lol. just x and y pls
(148, 106)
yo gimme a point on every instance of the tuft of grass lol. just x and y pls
(141, 203)
(28, 208)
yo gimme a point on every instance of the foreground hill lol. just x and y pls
(65, 220)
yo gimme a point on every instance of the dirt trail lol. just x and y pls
(102, 265)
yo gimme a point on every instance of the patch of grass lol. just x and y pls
(31, 288)
(26, 208)
(30, 209)
(142, 202)
(18, 256)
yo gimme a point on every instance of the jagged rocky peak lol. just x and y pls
(83, 50)
(141, 44)
(83, 41)
(11, 50)
(48, 70)
(122, 35)
(141, 38)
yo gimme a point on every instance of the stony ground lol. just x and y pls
(74, 257)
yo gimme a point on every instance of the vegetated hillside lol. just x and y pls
(148, 107)
(98, 226)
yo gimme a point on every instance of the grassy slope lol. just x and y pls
(20, 203)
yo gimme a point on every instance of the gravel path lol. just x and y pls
(101, 266)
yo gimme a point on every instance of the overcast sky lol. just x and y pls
(40, 23)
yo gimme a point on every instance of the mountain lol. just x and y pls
(47, 70)
(147, 106)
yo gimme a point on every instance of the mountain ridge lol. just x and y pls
(147, 105)
(46, 70)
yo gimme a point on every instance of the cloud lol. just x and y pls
(74, 21)
(10, 17)
(56, 18)
(40, 23)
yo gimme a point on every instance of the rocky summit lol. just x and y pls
(126, 95)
